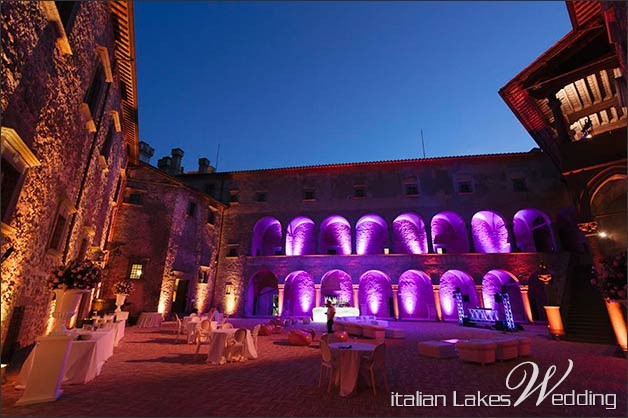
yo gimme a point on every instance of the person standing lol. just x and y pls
(331, 313)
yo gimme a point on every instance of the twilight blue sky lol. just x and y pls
(281, 84)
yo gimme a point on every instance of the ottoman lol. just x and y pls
(477, 351)
(339, 326)
(437, 349)
(374, 331)
(524, 346)
(507, 349)
(395, 333)
(353, 329)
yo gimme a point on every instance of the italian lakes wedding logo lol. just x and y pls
(524, 382)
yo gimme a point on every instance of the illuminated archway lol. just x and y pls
(533, 231)
(449, 281)
(371, 235)
(338, 284)
(375, 294)
(261, 294)
(490, 234)
(409, 235)
(415, 294)
(301, 237)
(492, 284)
(449, 233)
(299, 294)
(335, 236)
(266, 237)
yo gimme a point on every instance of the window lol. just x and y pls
(191, 209)
(203, 275)
(519, 185)
(135, 271)
(66, 11)
(211, 217)
(309, 194)
(117, 192)
(106, 146)
(210, 189)
(134, 198)
(232, 251)
(464, 183)
(83, 250)
(412, 189)
(10, 184)
(465, 187)
(92, 96)
(56, 240)
(234, 196)
(359, 192)
(260, 197)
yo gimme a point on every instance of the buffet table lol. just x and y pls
(118, 329)
(320, 314)
(149, 320)
(85, 360)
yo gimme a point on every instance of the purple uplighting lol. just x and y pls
(415, 294)
(339, 284)
(371, 235)
(492, 284)
(448, 283)
(301, 237)
(335, 236)
(409, 235)
(533, 231)
(266, 237)
(375, 292)
(489, 233)
(299, 294)
(449, 233)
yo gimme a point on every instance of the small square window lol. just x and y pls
(211, 217)
(134, 198)
(210, 189)
(309, 194)
(92, 96)
(359, 192)
(232, 251)
(136, 270)
(412, 189)
(56, 241)
(260, 197)
(465, 187)
(519, 185)
(234, 196)
(191, 209)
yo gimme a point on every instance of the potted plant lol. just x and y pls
(68, 282)
(610, 277)
(122, 289)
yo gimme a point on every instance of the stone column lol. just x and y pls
(395, 292)
(280, 300)
(356, 302)
(478, 291)
(439, 314)
(317, 289)
(526, 302)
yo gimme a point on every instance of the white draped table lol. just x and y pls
(216, 353)
(118, 328)
(349, 363)
(85, 360)
(149, 320)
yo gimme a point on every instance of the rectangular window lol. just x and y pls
(56, 241)
(117, 192)
(134, 198)
(309, 194)
(92, 96)
(412, 189)
(106, 146)
(465, 187)
(191, 209)
(66, 11)
(234, 196)
(211, 217)
(210, 189)
(232, 251)
(10, 182)
(519, 185)
(136, 270)
(359, 192)
(260, 197)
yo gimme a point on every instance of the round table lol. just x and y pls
(349, 355)
(149, 320)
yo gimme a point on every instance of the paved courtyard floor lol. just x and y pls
(149, 375)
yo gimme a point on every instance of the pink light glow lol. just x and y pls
(409, 235)
(371, 235)
(300, 237)
(415, 294)
(299, 294)
(448, 283)
(335, 235)
(450, 232)
(375, 292)
(492, 283)
(337, 283)
(533, 232)
(266, 237)
(489, 233)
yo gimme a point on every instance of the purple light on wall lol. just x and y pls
(335, 235)
(258, 283)
(533, 231)
(339, 284)
(415, 294)
(266, 237)
(448, 283)
(299, 294)
(375, 292)
(449, 232)
(492, 283)
(409, 235)
(300, 237)
(371, 235)
(489, 233)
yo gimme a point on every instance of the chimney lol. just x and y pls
(177, 156)
(203, 166)
(164, 164)
(146, 152)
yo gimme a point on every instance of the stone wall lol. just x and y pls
(42, 91)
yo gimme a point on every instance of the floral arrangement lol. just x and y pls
(124, 287)
(610, 276)
(75, 275)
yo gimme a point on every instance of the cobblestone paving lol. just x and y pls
(149, 375)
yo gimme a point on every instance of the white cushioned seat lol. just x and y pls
(395, 333)
(507, 349)
(477, 351)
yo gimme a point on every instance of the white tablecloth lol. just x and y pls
(85, 360)
(216, 353)
(118, 328)
(149, 320)
(349, 364)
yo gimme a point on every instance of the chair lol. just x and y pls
(235, 347)
(227, 325)
(255, 333)
(179, 328)
(376, 360)
(327, 362)
(203, 335)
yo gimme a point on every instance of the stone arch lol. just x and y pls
(299, 294)
(533, 231)
(375, 294)
(415, 295)
(267, 237)
(489, 232)
(449, 281)
(335, 236)
(371, 235)
(337, 283)
(493, 282)
(260, 294)
(608, 208)
(301, 237)
(409, 236)
(449, 233)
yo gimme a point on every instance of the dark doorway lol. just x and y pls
(180, 297)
